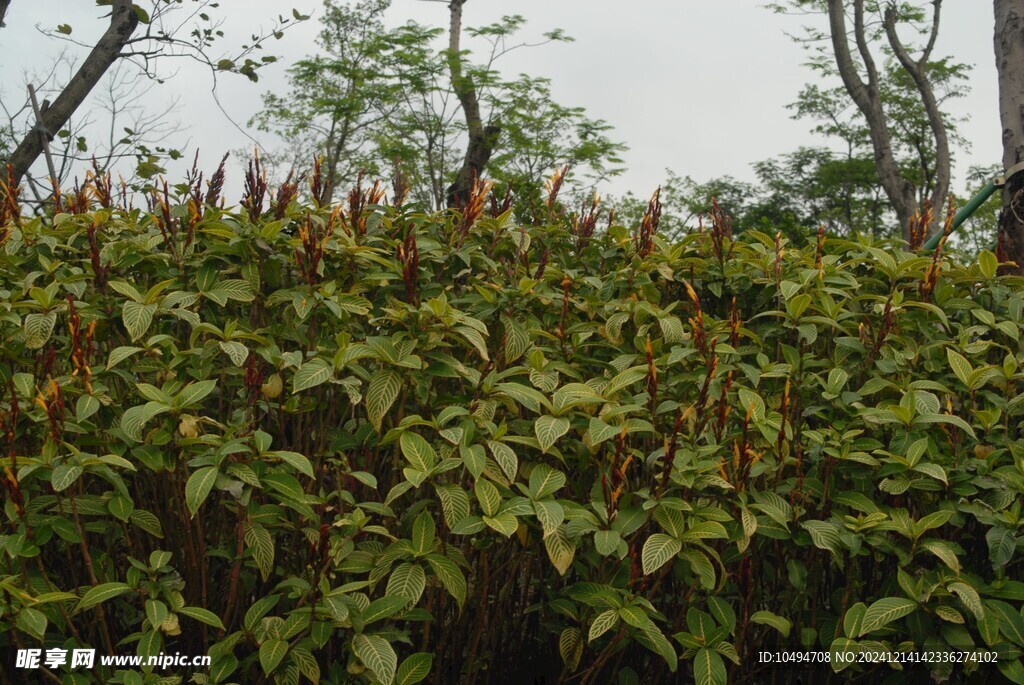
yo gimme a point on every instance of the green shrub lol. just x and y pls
(368, 445)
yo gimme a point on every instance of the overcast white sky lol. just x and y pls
(698, 86)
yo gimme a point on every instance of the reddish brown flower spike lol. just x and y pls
(553, 185)
(474, 208)
(10, 208)
(649, 225)
(255, 187)
(286, 192)
(358, 201)
(585, 222)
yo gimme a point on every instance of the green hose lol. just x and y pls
(966, 211)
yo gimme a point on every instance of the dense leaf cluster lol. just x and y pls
(370, 445)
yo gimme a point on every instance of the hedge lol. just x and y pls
(363, 443)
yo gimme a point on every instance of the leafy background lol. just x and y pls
(360, 443)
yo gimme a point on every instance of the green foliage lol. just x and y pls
(375, 94)
(795, 193)
(383, 449)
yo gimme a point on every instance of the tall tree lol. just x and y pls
(375, 94)
(866, 94)
(481, 137)
(539, 134)
(339, 97)
(874, 63)
(1009, 53)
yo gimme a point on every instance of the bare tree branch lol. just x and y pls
(123, 22)
(934, 32)
(918, 72)
(860, 36)
(123, 40)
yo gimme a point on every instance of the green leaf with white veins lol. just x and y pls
(488, 496)
(504, 523)
(423, 531)
(382, 608)
(203, 616)
(101, 593)
(605, 621)
(517, 341)
(506, 458)
(313, 373)
(299, 462)
(574, 394)
(528, 397)
(708, 667)
(960, 366)
(271, 653)
(378, 656)
(408, 580)
(119, 354)
(454, 503)
(450, 576)
(606, 541)
(381, 394)
(135, 418)
(474, 457)
(64, 476)
(38, 329)
(418, 451)
(656, 552)
(193, 393)
(137, 318)
(885, 611)
(198, 487)
(783, 625)
(550, 514)
(545, 481)
(233, 289)
(561, 550)
(415, 668)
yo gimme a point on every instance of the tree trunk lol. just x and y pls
(481, 138)
(867, 97)
(1009, 52)
(123, 22)
(3, 11)
(918, 70)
